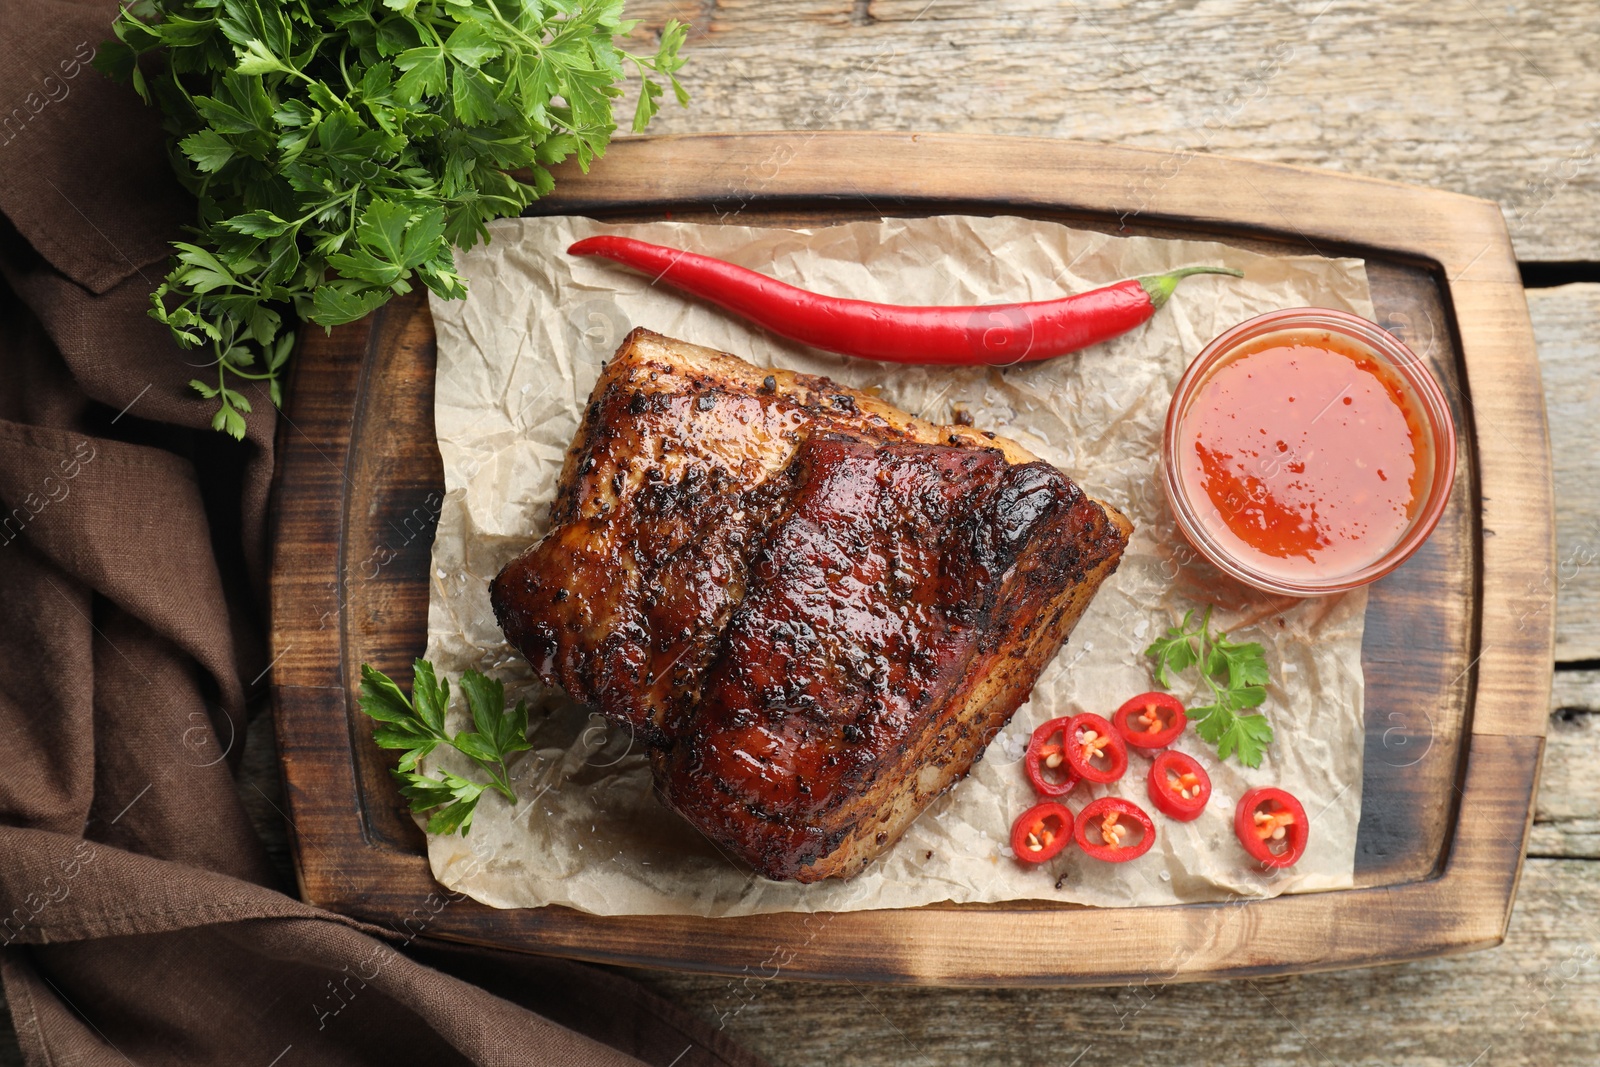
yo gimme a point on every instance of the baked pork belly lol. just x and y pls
(815, 608)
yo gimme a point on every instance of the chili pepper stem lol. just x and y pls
(1160, 286)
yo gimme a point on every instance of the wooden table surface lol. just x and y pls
(1498, 100)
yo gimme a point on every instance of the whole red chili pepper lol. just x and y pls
(991, 333)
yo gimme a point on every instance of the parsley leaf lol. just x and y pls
(1237, 676)
(1245, 665)
(417, 727)
(1175, 652)
(339, 149)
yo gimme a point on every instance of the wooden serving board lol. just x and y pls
(1458, 646)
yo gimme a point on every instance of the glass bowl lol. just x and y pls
(1436, 447)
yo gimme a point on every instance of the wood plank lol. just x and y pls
(1567, 819)
(306, 600)
(309, 602)
(1564, 323)
(392, 502)
(1455, 94)
(1534, 1002)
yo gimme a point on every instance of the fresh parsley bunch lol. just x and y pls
(417, 727)
(1235, 673)
(339, 148)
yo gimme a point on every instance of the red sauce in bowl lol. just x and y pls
(1307, 452)
(1303, 454)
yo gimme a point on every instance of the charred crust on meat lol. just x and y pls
(813, 615)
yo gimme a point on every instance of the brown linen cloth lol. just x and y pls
(139, 916)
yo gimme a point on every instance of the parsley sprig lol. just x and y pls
(339, 148)
(417, 726)
(1236, 674)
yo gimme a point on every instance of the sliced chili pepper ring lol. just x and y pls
(1046, 762)
(1179, 787)
(1041, 832)
(1272, 827)
(1110, 818)
(1151, 720)
(1095, 751)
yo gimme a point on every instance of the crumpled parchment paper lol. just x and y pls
(517, 360)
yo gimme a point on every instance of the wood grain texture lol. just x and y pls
(1534, 1003)
(1566, 321)
(1567, 819)
(1485, 99)
(1445, 887)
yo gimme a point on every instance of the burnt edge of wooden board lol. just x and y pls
(1465, 906)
